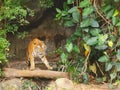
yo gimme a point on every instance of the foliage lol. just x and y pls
(4, 47)
(95, 43)
(28, 84)
(46, 3)
(22, 35)
(12, 16)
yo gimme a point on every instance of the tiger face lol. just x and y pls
(37, 48)
(40, 48)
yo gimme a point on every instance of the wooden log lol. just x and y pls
(9, 72)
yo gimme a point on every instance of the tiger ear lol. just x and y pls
(40, 43)
(35, 41)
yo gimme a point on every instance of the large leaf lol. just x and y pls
(70, 1)
(109, 14)
(93, 68)
(95, 32)
(87, 11)
(101, 47)
(92, 41)
(108, 66)
(85, 23)
(58, 10)
(76, 16)
(2, 56)
(118, 24)
(69, 47)
(94, 23)
(73, 9)
(116, 12)
(115, 20)
(118, 54)
(102, 39)
(68, 24)
(76, 49)
(64, 57)
(78, 32)
(113, 75)
(103, 59)
(117, 66)
(84, 3)
(106, 8)
(116, 0)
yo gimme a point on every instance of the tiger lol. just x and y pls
(36, 48)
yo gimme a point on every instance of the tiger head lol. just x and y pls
(40, 46)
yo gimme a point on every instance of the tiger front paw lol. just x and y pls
(50, 68)
(32, 68)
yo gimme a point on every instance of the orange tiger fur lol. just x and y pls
(36, 48)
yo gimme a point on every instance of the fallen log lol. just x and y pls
(10, 72)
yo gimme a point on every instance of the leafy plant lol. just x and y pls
(28, 84)
(22, 35)
(12, 16)
(46, 3)
(96, 38)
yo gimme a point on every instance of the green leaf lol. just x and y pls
(115, 20)
(110, 14)
(116, 0)
(64, 13)
(68, 24)
(95, 32)
(73, 9)
(118, 43)
(85, 23)
(117, 66)
(108, 66)
(78, 32)
(64, 58)
(118, 24)
(76, 49)
(106, 8)
(2, 56)
(113, 76)
(111, 86)
(102, 39)
(76, 16)
(94, 23)
(116, 12)
(92, 41)
(103, 59)
(69, 47)
(87, 11)
(118, 54)
(84, 3)
(58, 10)
(101, 47)
(70, 1)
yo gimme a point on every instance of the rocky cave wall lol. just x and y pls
(49, 31)
(42, 26)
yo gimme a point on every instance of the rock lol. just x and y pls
(13, 84)
(61, 84)
(64, 84)
(92, 87)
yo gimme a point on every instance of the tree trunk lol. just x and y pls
(9, 72)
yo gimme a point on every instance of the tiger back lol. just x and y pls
(36, 48)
